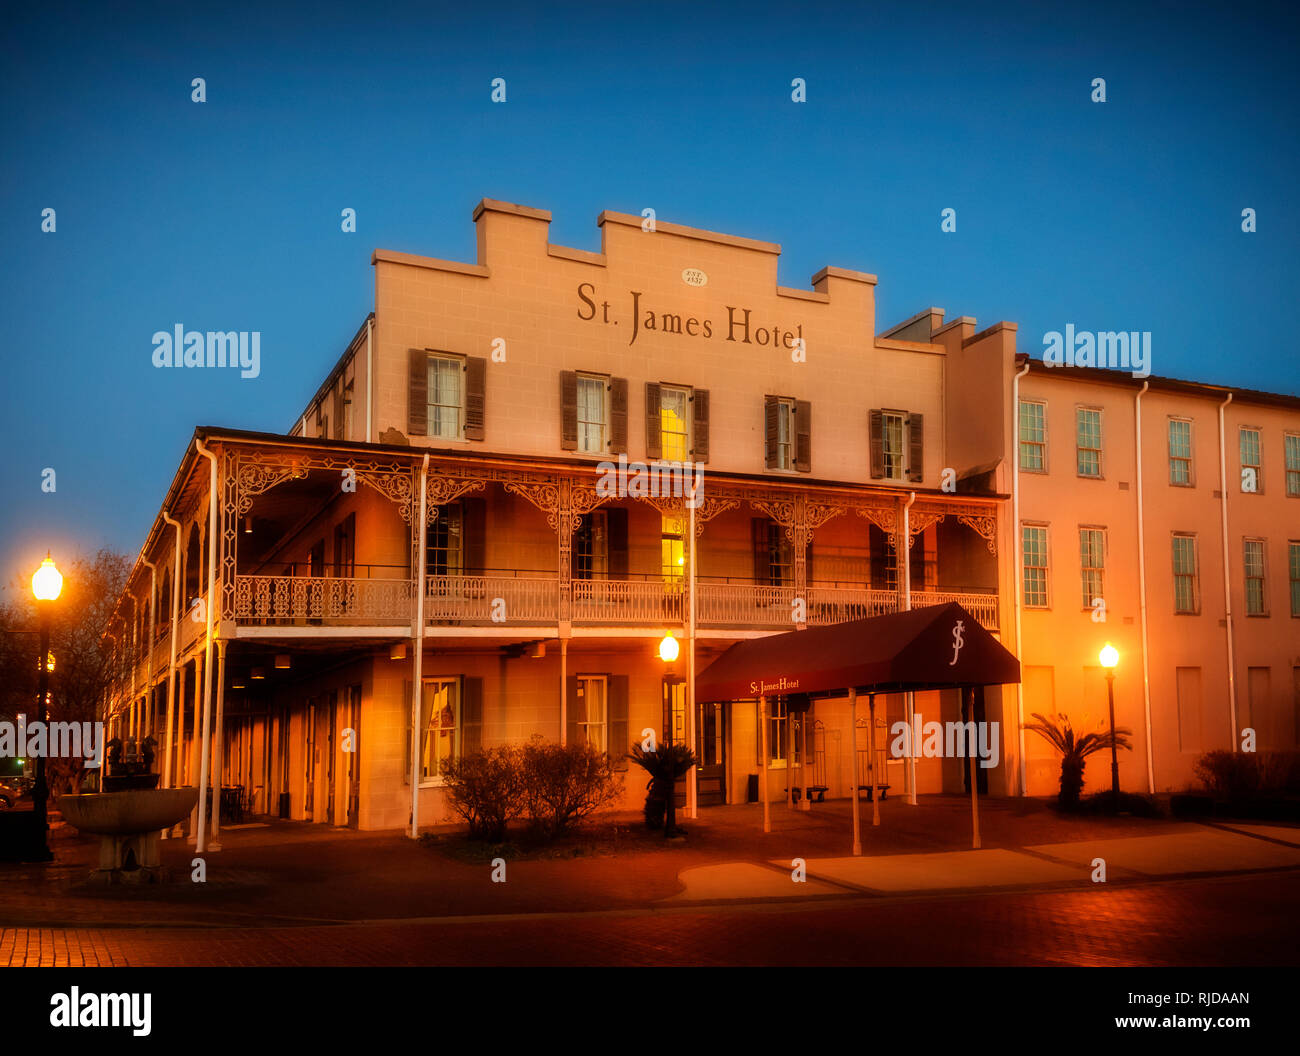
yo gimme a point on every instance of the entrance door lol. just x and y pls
(309, 755)
(674, 727)
(711, 746)
(353, 758)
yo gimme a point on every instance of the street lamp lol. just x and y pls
(1109, 657)
(669, 650)
(47, 584)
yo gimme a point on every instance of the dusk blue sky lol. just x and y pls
(225, 215)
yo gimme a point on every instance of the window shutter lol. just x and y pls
(808, 565)
(700, 401)
(771, 427)
(417, 394)
(803, 436)
(877, 445)
(762, 556)
(568, 410)
(616, 540)
(916, 447)
(618, 743)
(471, 715)
(653, 426)
(338, 414)
(618, 416)
(571, 710)
(475, 396)
(473, 526)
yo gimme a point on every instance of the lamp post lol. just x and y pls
(669, 650)
(47, 584)
(1109, 657)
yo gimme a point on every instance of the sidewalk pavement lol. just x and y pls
(272, 873)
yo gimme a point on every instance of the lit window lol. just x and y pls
(1180, 451)
(445, 411)
(1185, 586)
(1088, 441)
(674, 423)
(1254, 567)
(1033, 435)
(592, 710)
(1092, 563)
(440, 727)
(593, 416)
(777, 718)
(1034, 544)
(672, 548)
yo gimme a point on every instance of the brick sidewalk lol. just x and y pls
(1227, 921)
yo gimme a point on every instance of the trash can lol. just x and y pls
(751, 791)
(284, 804)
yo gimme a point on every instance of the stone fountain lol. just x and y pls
(128, 813)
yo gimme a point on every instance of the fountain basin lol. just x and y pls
(128, 825)
(127, 813)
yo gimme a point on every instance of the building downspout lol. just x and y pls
(171, 669)
(370, 380)
(201, 845)
(692, 781)
(1227, 576)
(417, 687)
(1016, 543)
(909, 699)
(1142, 587)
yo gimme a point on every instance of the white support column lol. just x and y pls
(906, 579)
(201, 845)
(417, 635)
(871, 759)
(805, 800)
(692, 777)
(853, 754)
(194, 742)
(762, 764)
(168, 780)
(564, 690)
(218, 746)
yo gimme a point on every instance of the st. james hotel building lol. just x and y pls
(436, 534)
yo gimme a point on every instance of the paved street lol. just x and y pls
(1218, 921)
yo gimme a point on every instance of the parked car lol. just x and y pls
(12, 789)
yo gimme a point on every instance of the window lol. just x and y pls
(1034, 543)
(1033, 436)
(445, 552)
(445, 397)
(893, 435)
(780, 556)
(1253, 563)
(674, 423)
(591, 547)
(784, 434)
(1291, 444)
(1092, 563)
(593, 711)
(593, 414)
(1252, 478)
(1088, 441)
(439, 727)
(1293, 554)
(1186, 593)
(777, 725)
(672, 548)
(1180, 452)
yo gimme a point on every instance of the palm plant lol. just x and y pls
(664, 765)
(1074, 750)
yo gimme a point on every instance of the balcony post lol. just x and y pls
(419, 535)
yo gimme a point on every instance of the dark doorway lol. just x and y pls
(982, 774)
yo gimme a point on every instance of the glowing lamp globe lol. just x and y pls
(1109, 656)
(47, 581)
(669, 649)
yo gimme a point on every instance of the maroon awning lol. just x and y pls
(937, 647)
